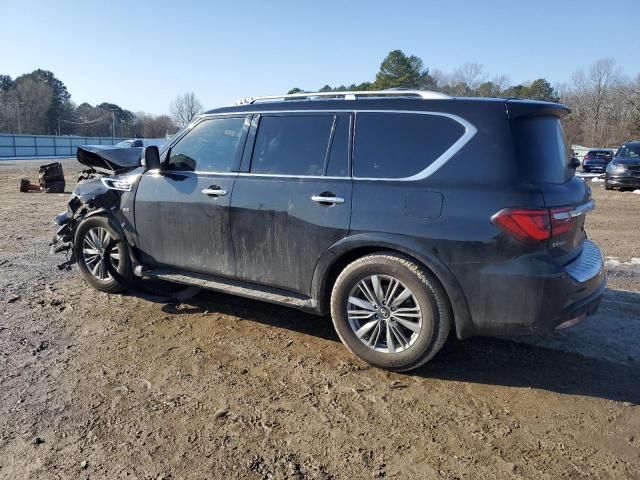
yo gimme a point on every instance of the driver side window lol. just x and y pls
(211, 146)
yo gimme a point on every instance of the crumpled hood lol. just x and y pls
(109, 158)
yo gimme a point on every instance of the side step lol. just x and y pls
(232, 287)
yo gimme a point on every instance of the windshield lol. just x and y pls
(124, 143)
(629, 151)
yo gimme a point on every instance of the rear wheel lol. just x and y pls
(390, 312)
(102, 255)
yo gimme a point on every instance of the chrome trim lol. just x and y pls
(218, 192)
(350, 95)
(588, 264)
(576, 212)
(323, 199)
(469, 133)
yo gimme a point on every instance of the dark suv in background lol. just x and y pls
(624, 169)
(403, 214)
(596, 160)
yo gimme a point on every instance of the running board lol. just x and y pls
(232, 287)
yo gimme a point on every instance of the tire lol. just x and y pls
(606, 185)
(426, 310)
(92, 235)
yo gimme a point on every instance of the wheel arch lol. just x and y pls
(338, 256)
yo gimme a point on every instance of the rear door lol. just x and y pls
(293, 199)
(182, 211)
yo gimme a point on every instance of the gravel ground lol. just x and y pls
(117, 386)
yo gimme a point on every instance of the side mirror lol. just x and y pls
(151, 158)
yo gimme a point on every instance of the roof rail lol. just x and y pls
(353, 95)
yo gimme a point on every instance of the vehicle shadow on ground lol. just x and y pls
(479, 360)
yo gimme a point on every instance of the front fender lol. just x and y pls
(404, 245)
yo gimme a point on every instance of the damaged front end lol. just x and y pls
(106, 187)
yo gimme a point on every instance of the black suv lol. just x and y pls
(624, 169)
(403, 214)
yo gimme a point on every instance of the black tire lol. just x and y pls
(427, 292)
(113, 283)
(606, 185)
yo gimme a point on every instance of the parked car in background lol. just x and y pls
(365, 205)
(596, 160)
(624, 170)
(141, 142)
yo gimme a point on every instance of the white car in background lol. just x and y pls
(141, 142)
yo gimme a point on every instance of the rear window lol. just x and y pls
(399, 145)
(541, 149)
(599, 154)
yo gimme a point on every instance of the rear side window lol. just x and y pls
(292, 145)
(399, 145)
(541, 149)
(211, 146)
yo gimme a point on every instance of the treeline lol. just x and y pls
(40, 103)
(605, 103)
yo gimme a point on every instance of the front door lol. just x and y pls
(294, 200)
(182, 211)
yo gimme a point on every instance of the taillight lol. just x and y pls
(533, 225)
(587, 157)
(562, 220)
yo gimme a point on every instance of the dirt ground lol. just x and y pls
(118, 386)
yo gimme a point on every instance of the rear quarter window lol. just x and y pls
(400, 145)
(541, 150)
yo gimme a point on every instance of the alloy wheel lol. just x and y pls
(384, 314)
(94, 253)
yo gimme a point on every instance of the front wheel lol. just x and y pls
(390, 312)
(102, 255)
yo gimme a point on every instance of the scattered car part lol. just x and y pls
(27, 186)
(51, 177)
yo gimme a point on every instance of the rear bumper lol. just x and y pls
(594, 167)
(624, 180)
(531, 294)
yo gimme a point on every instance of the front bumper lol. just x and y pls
(626, 180)
(532, 294)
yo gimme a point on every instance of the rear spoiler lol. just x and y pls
(517, 108)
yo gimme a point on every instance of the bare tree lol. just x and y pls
(593, 94)
(184, 108)
(470, 74)
(501, 81)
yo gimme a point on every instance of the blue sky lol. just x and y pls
(141, 54)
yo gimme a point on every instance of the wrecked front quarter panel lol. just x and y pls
(110, 195)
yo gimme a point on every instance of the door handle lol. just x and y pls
(326, 198)
(214, 191)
